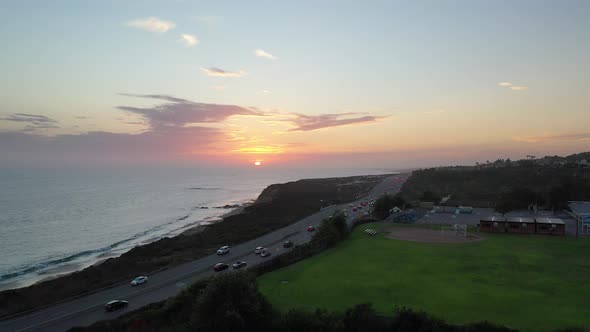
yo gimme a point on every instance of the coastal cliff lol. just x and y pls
(277, 206)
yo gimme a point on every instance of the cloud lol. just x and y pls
(30, 128)
(217, 72)
(263, 92)
(161, 97)
(313, 122)
(176, 129)
(34, 121)
(512, 87)
(218, 87)
(263, 54)
(152, 24)
(107, 147)
(189, 40)
(180, 112)
(550, 138)
(439, 111)
(30, 118)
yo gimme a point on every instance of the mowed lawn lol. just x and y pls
(529, 282)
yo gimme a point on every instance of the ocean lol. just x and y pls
(59, 220)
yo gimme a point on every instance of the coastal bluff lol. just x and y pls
(277, 206)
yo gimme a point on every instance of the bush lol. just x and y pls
(407, 319)
(231, 302)
(332, 230)
(297, 320)
(362, 317)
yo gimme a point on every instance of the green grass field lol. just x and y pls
(533, 283)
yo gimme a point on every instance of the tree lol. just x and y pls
(518, 198)
(429, 196)
(505, 206)
(560, 195)
(362, 317)
(332, 229)
(385, 203)
(407, 319)
(231, 302)
(297, 320)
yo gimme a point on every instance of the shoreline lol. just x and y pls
(70, 268)
(277, 206)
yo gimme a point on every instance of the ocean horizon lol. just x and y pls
(56, 221)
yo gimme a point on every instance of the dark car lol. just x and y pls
(220, 267)
(239, 265)
(115, 305)
(287, 244)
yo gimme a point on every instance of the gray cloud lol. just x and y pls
(30, 128)
(180, 112)
(34, 119)
(549, 138)
(173, 133)
(161, 97)
(108, 147)
(313, 122)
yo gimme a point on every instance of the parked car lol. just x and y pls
(287, 244)
(310, 228)
(264, 253)
(239, 265)
(115, 305)
(139, 280)
(223, 250)
(258, 250)
(220, 267)
(354, 209)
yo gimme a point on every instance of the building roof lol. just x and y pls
(556, 221)
(493, 218)
(521, 220)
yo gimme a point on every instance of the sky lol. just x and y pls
(328, 83)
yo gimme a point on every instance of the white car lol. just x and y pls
(258, 250)
(223, 250)
(139, 280)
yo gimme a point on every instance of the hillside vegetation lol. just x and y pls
(548, 187)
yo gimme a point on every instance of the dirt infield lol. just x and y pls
(429, 235)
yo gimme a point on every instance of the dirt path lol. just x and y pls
(417, 234)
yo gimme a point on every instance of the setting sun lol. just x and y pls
(257, 163)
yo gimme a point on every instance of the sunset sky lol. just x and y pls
(332, 83)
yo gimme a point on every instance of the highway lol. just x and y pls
(88, 309)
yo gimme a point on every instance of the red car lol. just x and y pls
(220, 267)
(310, 228)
